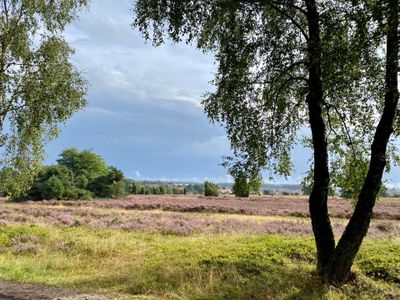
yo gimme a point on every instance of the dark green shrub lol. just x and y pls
(75, 193)
(51, 183)
(210, 189)
(162, 190)
(53, 188)
(111, 185)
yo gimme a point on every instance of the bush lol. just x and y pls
(195, 188)
(111, 185)
(210, 189)
(51, 183)
(53, 188)
(268, 192)
(75, 193)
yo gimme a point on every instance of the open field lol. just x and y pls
(295, 206)
(162, 247)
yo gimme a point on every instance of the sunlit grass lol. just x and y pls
(194, 267)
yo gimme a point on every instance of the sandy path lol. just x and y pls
(18, 291)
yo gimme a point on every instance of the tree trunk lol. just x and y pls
(340, 264)
(318, 200)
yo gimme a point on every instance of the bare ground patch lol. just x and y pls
(22, 291)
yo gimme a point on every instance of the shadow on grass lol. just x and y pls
(202, 267)
(214, 279)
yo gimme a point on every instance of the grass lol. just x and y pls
(188, 267)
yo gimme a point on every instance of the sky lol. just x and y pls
(144, 114)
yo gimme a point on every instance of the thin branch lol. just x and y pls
(343, 120)
(295, 23)
(5, 9)
(283, 12)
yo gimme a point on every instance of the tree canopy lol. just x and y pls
(39, 86)
(284, 65)
(78, 175)
(261, 83)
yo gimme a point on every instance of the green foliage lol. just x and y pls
(255, 185)
(307, 184)
(210, 189)
(74, 193)
(195, 188)
(245, 183)
(136, 188)
(241, 187)
(10, 233)
(14, 182)
(78, 175)
(262, 77)
(39, 87)
(110, 185)
(85, 165)
(53, 188)
(51, 183)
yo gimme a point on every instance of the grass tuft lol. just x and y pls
(189, 267)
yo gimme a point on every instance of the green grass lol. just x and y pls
(198, 267)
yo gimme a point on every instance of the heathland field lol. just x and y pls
(191, 247)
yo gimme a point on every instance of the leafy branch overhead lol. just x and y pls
(261, 83)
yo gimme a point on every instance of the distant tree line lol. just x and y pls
(141, 188)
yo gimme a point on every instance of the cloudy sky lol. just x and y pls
(144, 114)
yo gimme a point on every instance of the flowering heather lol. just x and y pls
(264, 206)
(100, 214)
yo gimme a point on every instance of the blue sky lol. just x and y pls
(144, 114)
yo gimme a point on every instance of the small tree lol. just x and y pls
(241, 187)
(136, 188)
(211, 189)
(245, 183)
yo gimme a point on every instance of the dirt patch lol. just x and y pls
(18, 291)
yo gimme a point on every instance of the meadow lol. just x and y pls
(191, 247)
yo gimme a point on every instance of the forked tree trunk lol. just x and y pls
(349, 244)
(318, 201)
